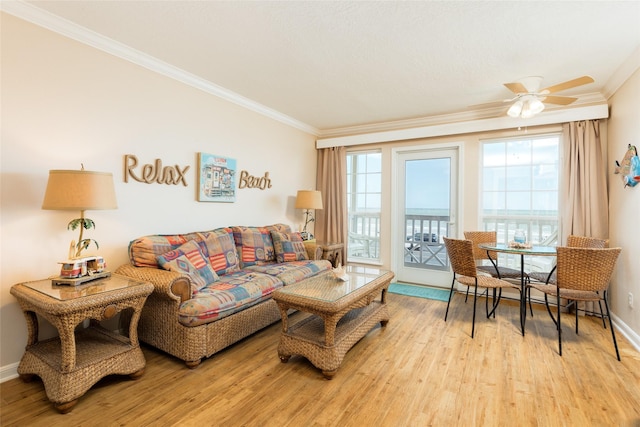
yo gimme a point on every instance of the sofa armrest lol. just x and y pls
(170, 284)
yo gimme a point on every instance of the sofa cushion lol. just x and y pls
(254, 245)
(188, 259)
(232, 293)
(289, 247)
(144, 251)
(221, 250)
(295, 271)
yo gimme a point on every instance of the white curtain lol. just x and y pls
(583, 184)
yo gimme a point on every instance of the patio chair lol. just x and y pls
(583, 274)
(465, 272)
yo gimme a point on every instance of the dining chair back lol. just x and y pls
(480, 255)
(573, 241)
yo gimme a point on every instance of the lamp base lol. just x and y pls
(306, 235)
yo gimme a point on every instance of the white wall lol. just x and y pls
(624, 204)
(64, 103)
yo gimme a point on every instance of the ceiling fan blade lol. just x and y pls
(516, 87)
(567, 85)
(560, 100)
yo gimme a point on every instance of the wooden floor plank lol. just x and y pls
(416, 371)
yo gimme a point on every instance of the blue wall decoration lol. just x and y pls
(629, 168)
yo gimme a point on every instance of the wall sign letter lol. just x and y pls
(154, 172)
(248, 181)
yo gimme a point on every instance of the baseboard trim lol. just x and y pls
(625, 330)
(9, 372)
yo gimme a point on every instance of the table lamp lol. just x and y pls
(308, 199)
(79, 190)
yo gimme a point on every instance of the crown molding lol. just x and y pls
(622, 74)
(589, 112)
(466, 116)
(83, 35)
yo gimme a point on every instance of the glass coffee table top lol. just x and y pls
(329, 288)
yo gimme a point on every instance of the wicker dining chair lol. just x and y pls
(549, 277)
(583, 274)
(480, 255)
(463, 264)
(573, 242)
(493, 269)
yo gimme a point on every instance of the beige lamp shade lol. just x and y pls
(309, 199)
(79, 190)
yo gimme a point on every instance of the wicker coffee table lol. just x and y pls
(343, 313)
(70, 364)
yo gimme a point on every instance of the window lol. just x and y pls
(364, 202)
(519, 188)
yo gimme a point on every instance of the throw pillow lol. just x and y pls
(222, 251)
(254, 245)
(188, 259)
(289, 247)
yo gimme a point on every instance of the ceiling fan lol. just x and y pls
(529, 99)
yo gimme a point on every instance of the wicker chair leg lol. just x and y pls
(495, 303)
(467, 295)
(576, 317)
(475, 297)
(523, 310)
(613, 334)
(546, 303)
(559, 324)
(529, 288)
(453, 282)
(604, 324)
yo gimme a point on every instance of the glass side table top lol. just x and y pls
(328, 288)
(68, 292)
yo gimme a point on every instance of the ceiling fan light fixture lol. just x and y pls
(527, 112)
(536, 106)
(515, 109)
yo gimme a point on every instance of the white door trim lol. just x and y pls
(395, 197)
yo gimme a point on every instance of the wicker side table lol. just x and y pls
(333, 252)
(72, 363)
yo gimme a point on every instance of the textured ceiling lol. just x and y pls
(339, 64)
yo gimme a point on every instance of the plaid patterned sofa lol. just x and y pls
(214, 288)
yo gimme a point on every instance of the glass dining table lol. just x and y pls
(522, 250)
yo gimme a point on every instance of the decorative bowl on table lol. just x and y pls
(341, 273)
(520, 245)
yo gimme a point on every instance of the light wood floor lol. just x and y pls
(417, 371)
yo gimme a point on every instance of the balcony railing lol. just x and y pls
(424, 246)
(364, 236)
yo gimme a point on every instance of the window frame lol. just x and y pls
(363, 226)
(540, 228)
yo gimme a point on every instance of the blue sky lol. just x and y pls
(427, 185)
